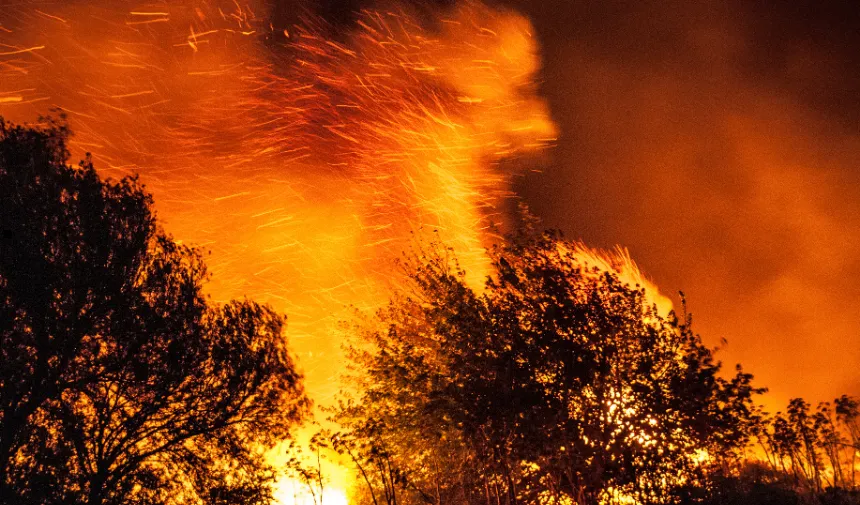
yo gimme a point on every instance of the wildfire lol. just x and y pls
(304, 160)
(304, 163)
(294, 493)
(621, 264)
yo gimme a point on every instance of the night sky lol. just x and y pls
(719, 142)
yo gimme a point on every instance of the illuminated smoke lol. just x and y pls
(305, 162)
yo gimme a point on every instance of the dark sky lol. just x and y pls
(720, 143)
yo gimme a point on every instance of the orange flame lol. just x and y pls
(305, 163)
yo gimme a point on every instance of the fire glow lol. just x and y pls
(306, 163)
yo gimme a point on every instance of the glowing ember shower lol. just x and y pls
(304, 162)
(306, 159)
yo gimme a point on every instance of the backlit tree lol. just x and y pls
(557, 381)
(120, 382)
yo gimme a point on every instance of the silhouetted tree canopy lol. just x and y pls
(556, 382)
(120, 382)
(805, 456)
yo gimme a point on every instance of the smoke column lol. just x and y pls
(306, 157)
(718, 140)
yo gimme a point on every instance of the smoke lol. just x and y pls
(306, 154)
(718, 142)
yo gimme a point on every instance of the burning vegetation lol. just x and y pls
(486, 367)
(304, 157)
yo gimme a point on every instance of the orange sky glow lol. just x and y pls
(305, 154)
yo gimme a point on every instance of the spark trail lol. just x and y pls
(307, 157)
(305, 160)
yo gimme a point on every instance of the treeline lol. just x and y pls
(558, 383)
(555, 383)
(814, 450)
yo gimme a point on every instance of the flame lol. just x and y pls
(305, 160)
(305, 164)
(293, 492)
(619, 262)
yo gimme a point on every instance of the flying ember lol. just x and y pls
(306, 158)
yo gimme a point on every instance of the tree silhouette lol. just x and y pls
(555, 383)
(815, 450)
(805, 456)
(120, 383)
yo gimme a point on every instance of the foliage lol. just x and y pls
(817, 448)
(556, 382)
(757, 483)
(805, 456)
(120, 382)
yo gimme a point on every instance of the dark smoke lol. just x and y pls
(719, 142)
